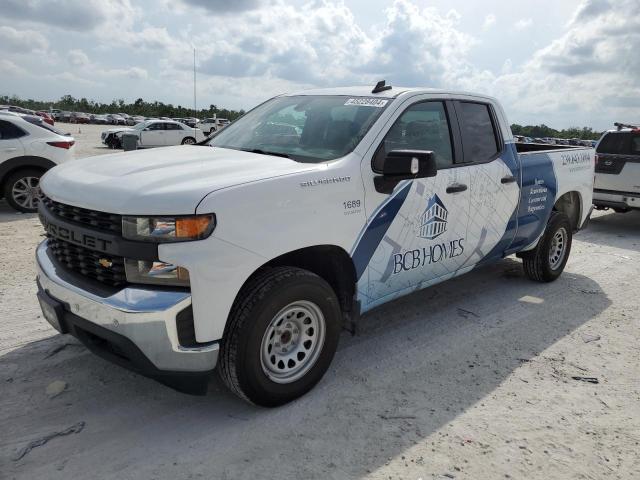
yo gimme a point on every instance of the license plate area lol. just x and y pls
(52, 311)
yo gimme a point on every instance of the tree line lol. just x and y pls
(541, 131)
(160, 109)
(139, 107)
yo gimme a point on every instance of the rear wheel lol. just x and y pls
(189, 141)
(546, 262)
(281, 336)
(22, 190)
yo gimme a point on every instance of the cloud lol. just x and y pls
(489, 21)
(77, 58)
(523, 23)
(591, 9)
(574, 76)
(7, 67)
(222, 7)
(271, 46)
(80, 15)
(322, 44)
(606, 40)
(134, 73)
(22, 41)
(65, 78)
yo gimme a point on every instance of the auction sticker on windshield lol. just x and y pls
(367, 102)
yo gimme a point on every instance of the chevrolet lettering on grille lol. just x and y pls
(68, 234)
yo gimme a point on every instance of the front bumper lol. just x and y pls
(617, 200)
(134, 327)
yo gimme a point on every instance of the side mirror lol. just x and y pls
(409, 164)
(403, 165)
(145, 129)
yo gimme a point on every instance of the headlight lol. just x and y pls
(155, 273)
(168, 229)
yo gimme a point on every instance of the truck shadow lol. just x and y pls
(416, 364)
(617, 228)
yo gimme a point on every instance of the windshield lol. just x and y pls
(305, 128)
(141, 126)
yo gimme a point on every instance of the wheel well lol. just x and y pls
(4, 174)
(329, 262)
(570, 204)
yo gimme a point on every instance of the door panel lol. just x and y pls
(416, 235)
(492, 220)
(154, 137)
(10, 148)
(494, 186)
(425, 241)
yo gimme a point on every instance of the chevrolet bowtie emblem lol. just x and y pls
(105, 262)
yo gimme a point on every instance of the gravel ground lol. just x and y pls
(471, 379)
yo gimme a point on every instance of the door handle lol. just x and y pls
(9, 149)
(456, 188)
(508, 179)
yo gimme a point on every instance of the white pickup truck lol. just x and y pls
(251, 252)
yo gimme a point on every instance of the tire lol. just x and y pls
(249, 363)
(22, 190)
(188, 141)
(546, 262)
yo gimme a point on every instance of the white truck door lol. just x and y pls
(415, 235)
(10, 145)
(495, 180)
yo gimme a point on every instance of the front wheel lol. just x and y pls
(546, 262)
(22, 190)
(189, 141)
(281, 337)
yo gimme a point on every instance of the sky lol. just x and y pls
(562, 63)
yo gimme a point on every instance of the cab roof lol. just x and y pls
(365, 91)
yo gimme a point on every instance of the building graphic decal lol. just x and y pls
(433, 221)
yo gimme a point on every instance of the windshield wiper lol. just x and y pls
(265, 152)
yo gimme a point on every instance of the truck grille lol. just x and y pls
(107, 222)
(88, 262)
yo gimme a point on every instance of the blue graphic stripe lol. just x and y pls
(376, 230)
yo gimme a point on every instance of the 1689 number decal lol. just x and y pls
(351, 204)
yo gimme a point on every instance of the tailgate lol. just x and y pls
(618, 172)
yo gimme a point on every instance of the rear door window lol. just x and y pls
(480, 137)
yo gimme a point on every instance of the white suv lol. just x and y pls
(210, 125)
(28, 148)
(617, 182)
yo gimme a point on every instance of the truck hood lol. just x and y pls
(162, 181)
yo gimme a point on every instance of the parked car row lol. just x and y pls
(25, 111)
(574, 142)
